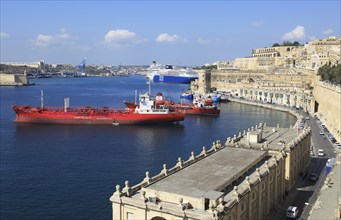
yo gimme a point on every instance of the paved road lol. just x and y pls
(302, 194)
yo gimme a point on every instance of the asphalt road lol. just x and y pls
(302, 193)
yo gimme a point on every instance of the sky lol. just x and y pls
(191, 33)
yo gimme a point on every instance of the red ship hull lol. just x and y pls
(194, 110)
(88, 115)
(186, 108)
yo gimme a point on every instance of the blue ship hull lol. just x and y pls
(215, 98)
(187, 96)
(174, 79)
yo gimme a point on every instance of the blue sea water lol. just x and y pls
(70, 171)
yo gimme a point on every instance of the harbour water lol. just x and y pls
(70, 171)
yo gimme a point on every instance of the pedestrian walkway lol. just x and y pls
(329, 198)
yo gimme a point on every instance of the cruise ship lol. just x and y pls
(170, 74)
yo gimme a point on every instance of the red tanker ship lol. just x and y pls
(199, 107)
(145, 113)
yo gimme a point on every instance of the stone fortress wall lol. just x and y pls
(13, 80)
(328, 99)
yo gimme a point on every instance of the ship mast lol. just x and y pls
(135, 96)
(66, 104)
(148, 82)
(42, 98)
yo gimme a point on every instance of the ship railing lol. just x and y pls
(160, 110)
(94, 110)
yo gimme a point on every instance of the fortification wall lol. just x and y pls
(328, 98)
(13, 80)
(21, 79)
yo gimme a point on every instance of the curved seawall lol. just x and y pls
(270, 106)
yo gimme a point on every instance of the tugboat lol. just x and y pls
(198, 107)
(146, 112)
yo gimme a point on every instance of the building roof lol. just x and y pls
(275, 138)
(205, 178)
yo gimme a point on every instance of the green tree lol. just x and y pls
(296, 43)
(287, 43)
(330, 73)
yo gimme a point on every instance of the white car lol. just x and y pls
(292, 212)
(307, 118)
(327, 163)
(320, 153)
(321, 132)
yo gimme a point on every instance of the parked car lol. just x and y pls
(327, 163)
(320, 153)
(313, 177)
(331, 162)
(292, 212)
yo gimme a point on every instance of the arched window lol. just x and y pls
(158, 218)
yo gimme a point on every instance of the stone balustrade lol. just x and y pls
(216, 146)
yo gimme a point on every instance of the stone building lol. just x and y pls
(289, 97)
(245, 178)
(311, 55)
(320, 52)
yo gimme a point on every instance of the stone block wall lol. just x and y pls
(328, 97)
(13, 79)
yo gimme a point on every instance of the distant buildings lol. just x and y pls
(311, 55)
(38, 65)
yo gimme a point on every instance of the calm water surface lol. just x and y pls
(70, 171)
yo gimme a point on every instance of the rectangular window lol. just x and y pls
(129, 215)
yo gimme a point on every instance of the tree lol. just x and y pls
(330, 73)
(296, 43)
(211, 67)
(286, 43)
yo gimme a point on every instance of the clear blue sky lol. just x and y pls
(173, 32)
